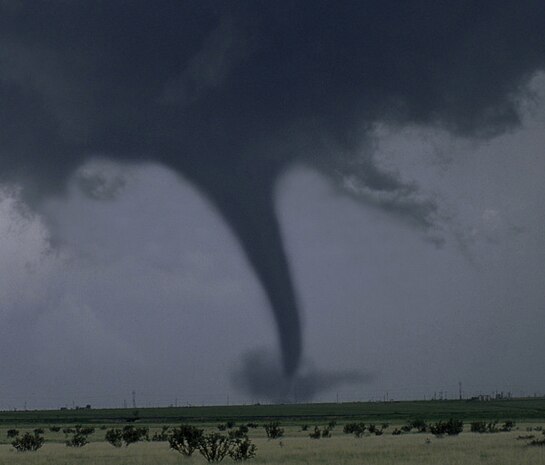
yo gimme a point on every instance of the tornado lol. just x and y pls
(231, 94)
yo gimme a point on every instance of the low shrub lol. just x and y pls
(478, 427)
(317, 434)
(115, 437)
(12, 433)
(132, 434)
(357, 429)
(418, 424)
(242, 449)
(538, 442)
(214, 447)
(161, 436)
(451, 427)
(240, 433)
(185, 439)
(79, 439)
(54, 429)
(491, 427)
(273, 430)
(28, 442)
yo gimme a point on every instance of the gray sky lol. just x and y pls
(139, 248)
(149, 290)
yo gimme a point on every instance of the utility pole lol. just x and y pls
(133, 399)
(460, 390)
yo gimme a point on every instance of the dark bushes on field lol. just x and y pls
(214, 447)
(12, 433)
(239, 433)
(54, 429)
(185, 439)
(242, 449)
(451, 428)
(28, 442)
(115, 437)
(357, 429)
(491, 427)
(79, 439)
(128, 435)
(538, 442)
(161, 436)
(273, 430)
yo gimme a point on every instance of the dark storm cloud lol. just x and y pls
(229, 94)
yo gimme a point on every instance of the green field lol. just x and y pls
(514, 409)
(295, 447)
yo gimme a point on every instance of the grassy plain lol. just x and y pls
(295, 448)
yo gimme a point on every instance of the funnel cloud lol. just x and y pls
(231, 94)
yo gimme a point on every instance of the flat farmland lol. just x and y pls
(295, 446)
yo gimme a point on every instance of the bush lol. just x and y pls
(38, 431)
(478, 427)
(538, 442)
(451, 427)
(304, 428)
(242, 449)
(28, 442)
(114, 437)
(273, 430)
(396, 432)
(79, 439)
(54, 429)
(161, 436)
(239, 433)
(508, 426)
(12, 433)
(418, 424)
(355, 428)
(491, 427)
(214, 447)
(331, 425)
(317, 434)
(185, 439)
(132, 434)
(326, 433)
(87, 430)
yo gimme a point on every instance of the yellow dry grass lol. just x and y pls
(298, 449)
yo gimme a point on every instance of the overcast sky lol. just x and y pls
(139, 194)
